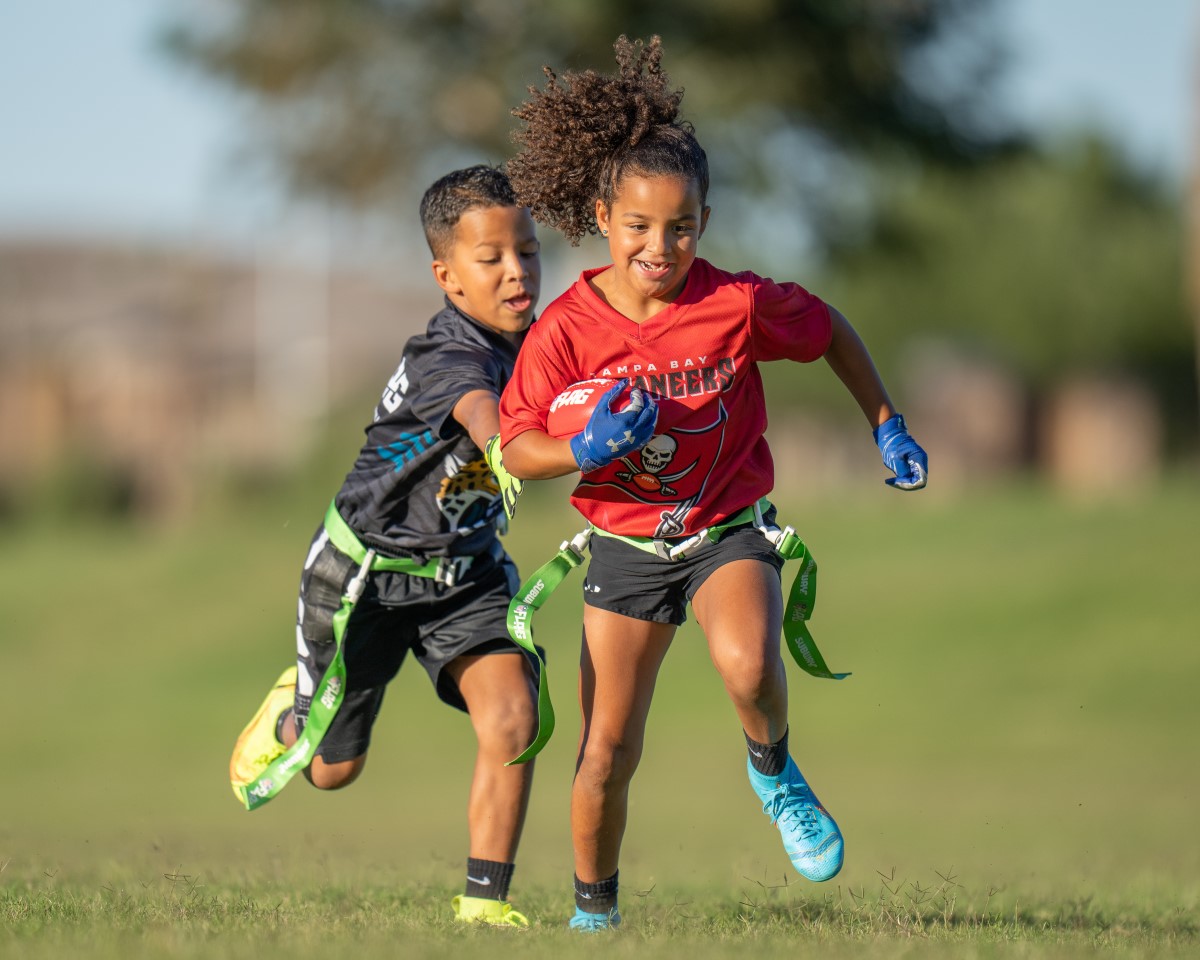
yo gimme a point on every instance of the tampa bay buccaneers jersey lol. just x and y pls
(698, 356)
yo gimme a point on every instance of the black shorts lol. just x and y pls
(642, 585)
(397, 613)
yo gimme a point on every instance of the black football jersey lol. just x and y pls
(420, 487)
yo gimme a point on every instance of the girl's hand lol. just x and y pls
(902, 455)
(612, 434)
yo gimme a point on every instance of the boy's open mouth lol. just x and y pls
(519, 303)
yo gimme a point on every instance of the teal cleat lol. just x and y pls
(586, 922)
(810, 837)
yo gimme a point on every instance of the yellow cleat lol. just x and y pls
(257, 745)
(495, 913)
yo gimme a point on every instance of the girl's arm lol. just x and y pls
(534, 455)
(610, 433)
(848, 358)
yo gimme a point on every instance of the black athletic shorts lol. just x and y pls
(642, 585)
(397, 613)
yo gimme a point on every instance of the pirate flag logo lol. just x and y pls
(671, 471)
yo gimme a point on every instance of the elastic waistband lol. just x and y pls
(678, 548)
(447, 570)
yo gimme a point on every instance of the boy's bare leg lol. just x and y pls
(501, 696)
(618, 669)
(740, 609)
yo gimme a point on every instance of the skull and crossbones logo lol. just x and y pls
(655, 457)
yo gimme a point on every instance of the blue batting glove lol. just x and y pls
(902, 455)
(610, 435)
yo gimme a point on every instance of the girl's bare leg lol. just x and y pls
(618, 669)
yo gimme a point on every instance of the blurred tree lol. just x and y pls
(362, 99)
(1192, 256)
(1055, 264)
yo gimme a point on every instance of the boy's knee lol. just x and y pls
(334, 776)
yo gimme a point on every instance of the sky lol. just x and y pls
(102, 133)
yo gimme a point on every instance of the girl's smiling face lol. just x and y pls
(653, 226)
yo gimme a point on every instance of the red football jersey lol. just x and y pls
(709, 458)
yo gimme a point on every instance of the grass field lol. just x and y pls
(1013, 761)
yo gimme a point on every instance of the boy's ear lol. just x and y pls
(703, 222)
(443, 275)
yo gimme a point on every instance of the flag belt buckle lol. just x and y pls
(452, 569)
(681, 550)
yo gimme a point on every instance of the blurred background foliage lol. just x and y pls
(1055, 263)
(858, 146)
(360, 96)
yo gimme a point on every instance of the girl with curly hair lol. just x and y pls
(673, 483)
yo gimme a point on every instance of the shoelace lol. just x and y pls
(266, 758)
(600, 923)
(794, 801)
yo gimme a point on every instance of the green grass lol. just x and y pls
(1012, 761)
(181, 916)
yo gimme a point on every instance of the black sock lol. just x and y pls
(598, 897)
(769, 759)
(488, 879)
(285, 717)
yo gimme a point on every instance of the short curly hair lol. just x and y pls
(582, 136)
(457, 192)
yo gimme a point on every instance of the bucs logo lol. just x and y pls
(672, 470)
(655, 455)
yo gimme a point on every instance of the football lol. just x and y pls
(571, 409)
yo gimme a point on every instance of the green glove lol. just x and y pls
(510, 486)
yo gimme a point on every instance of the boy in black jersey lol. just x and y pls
(414, 525)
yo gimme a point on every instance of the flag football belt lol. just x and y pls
(536, 590)
(327, 697)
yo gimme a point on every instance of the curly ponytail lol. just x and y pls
(583, 135)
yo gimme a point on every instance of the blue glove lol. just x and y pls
(902, 455)
(610, 435)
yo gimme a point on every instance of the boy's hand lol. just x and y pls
(510, 486)
(612, 434)
(902, 455)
